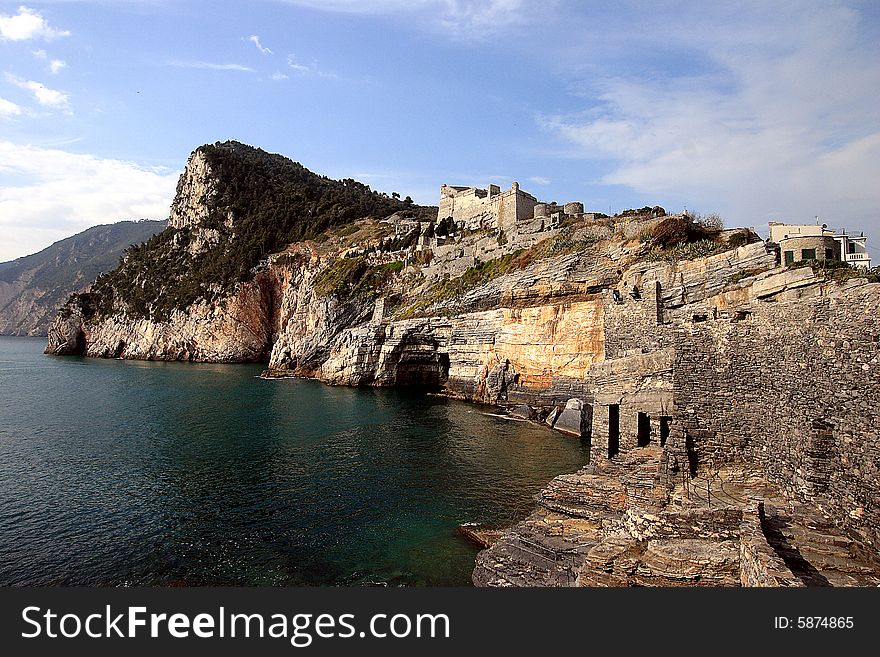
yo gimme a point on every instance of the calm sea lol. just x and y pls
(133, 473)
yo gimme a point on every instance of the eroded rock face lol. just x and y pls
(575, 418)
(307, 323)
(197, 198)
(233, 330)
(66, 335)
(479, 356)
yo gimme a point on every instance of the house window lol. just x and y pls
(852, 247)
(829, 254)
(789, 257)
(808, 254)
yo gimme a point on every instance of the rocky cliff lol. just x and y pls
(33, 287)
(213, 286)
(626, 331)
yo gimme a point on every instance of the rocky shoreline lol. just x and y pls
(686, 354)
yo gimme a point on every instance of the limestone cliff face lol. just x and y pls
(236, 329)
(66, 335)
(473, 353)
(308, 323)
(197, 192)
(196, 200)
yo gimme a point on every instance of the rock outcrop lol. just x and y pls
(67, 337)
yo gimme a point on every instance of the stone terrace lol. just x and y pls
(612, 524)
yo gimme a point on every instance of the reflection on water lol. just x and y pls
(125, 472)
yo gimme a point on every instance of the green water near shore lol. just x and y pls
(134, 473)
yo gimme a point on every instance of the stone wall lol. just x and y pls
(795, 389)
(759, 564)
(820, 244)
(631, 394)
(514, 207)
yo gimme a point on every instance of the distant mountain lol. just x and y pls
(33, 287)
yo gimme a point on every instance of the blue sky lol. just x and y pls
(754, 110)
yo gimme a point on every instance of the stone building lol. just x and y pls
(511, 211)
(804, 242)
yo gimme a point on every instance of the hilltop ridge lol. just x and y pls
(33, 287)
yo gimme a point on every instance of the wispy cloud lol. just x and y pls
(44, 95)
(8, 108)
(781, 122)
(211, 66)
(27, 24)
(310, 69)
(59, 193)
(54, 66)
(253, 38)
(456, 19)
(278, 75)
(540, 180)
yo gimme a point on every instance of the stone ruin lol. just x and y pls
(512, 211)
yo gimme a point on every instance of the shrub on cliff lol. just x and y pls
(345, 278)
(683, 229)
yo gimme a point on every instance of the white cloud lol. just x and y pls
(8, 108)
(278, 75)
(27, 24)
(253, 38)
(211, 66)
(781, 122)
(44, 95)
(540, 180)
(50, 194)
(311, 69)
(456, 19)
(54, 65)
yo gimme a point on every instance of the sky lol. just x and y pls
(756, 111)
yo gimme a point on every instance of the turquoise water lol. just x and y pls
(134, 473)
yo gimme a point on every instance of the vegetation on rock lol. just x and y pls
(271, 201)
(835, 270)
(354, 277)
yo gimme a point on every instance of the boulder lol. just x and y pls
(522, 412)
(575, 418)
